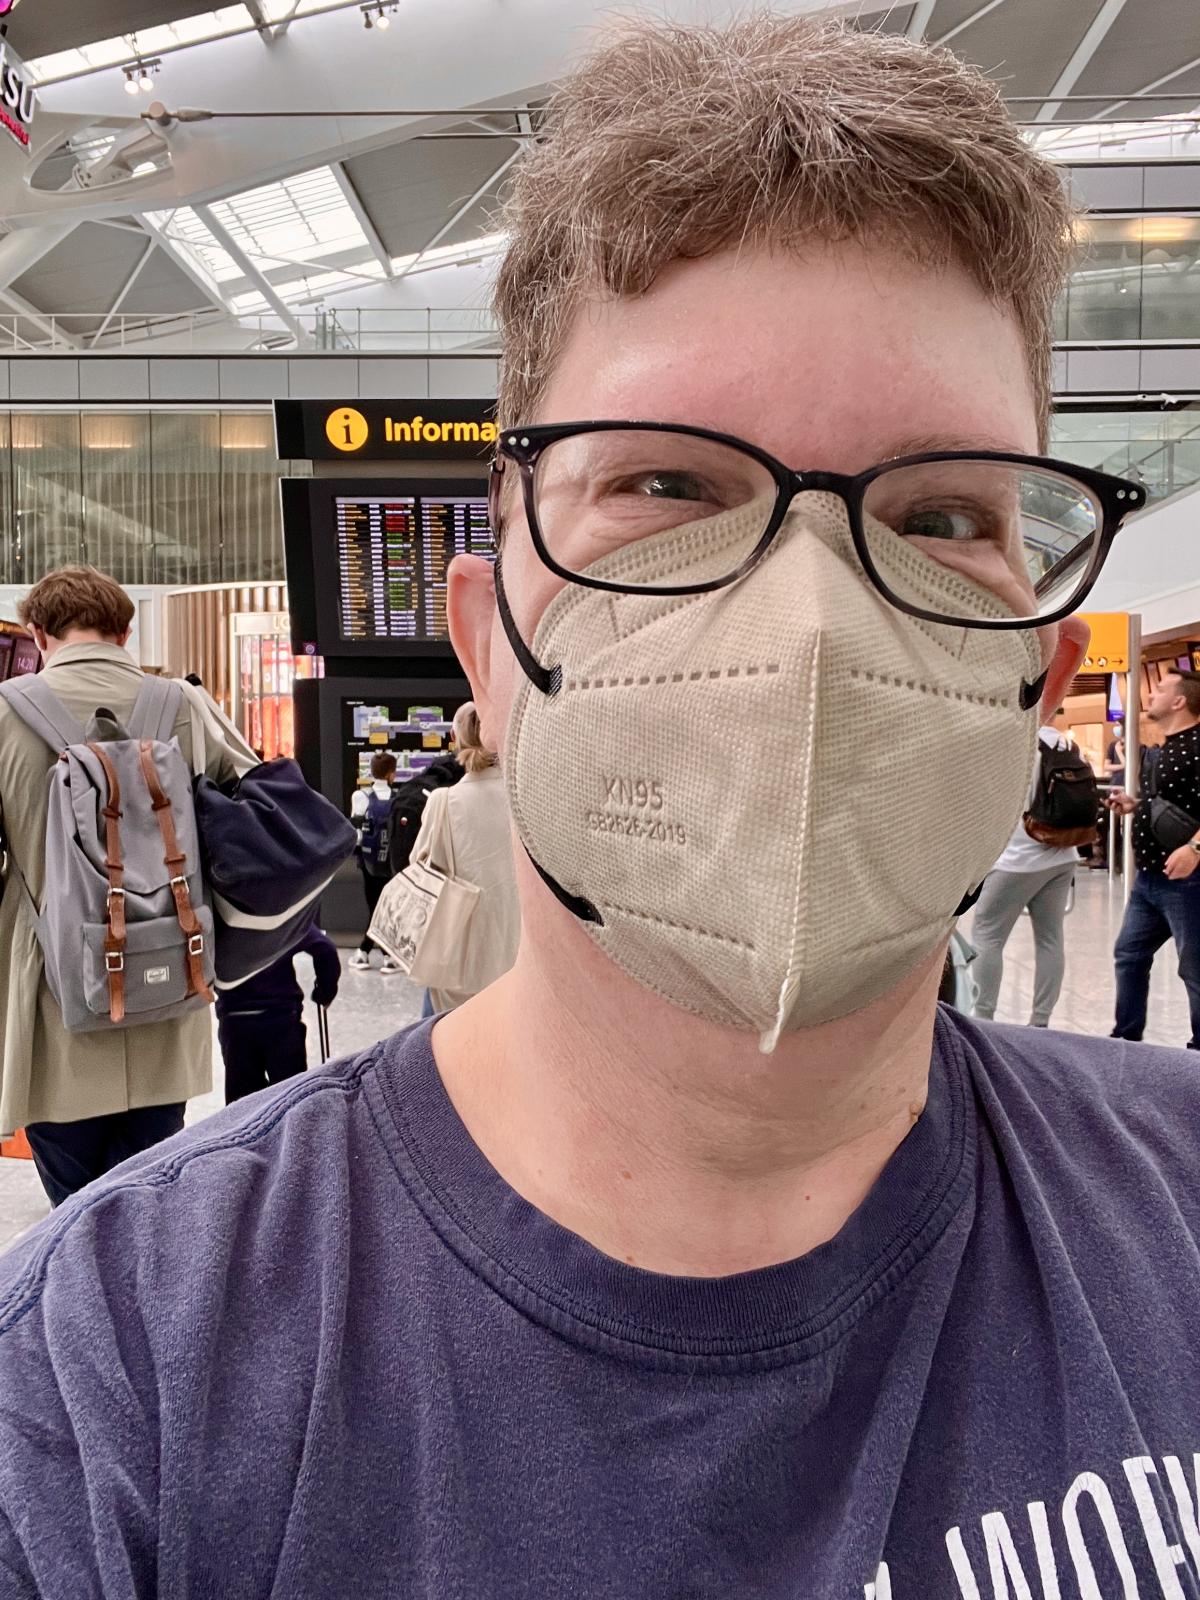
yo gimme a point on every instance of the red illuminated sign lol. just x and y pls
(16, 94)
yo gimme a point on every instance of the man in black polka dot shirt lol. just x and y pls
(1165, 900)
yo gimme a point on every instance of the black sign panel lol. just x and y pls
(385, 430)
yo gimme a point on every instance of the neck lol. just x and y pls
(669, 1142)
(76, 636)
(1179, 723)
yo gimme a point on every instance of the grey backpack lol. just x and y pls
(125, 933)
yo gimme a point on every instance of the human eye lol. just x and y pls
(946, 522)
(666, 483)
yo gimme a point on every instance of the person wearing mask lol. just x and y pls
(701, 1253)
(471, 821)
(260, 1023)
(1028, 876)
(1164, 902)
(372, 809)
(86, 1100)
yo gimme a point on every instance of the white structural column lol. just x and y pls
(151, 247)
(207, 286)
(363, 216)
(463, 210)
(919, 20)
(961, 27)
(263, 284)
(1082, 54)
(21, 250)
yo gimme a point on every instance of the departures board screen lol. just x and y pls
(379, 554)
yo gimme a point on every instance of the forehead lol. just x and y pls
(832, 360)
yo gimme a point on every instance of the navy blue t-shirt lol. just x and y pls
(316, 1349)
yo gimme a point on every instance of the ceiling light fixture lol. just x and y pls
(141, 75)
(378, 13)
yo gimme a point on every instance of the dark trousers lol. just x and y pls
(260, 1049)
(1158, 910)
(372, 888)
(68, 1155)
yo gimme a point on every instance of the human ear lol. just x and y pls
(470, 610)
(1069, 651)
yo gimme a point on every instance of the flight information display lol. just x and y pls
(368, 561)
(393, 556)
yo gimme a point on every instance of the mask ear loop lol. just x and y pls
(1030, 696)
(547, 679)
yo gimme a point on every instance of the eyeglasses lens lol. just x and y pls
(1012, 541)
(599, 494)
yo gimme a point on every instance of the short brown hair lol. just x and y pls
(77, 597)
(676, 142)
(383, 764)
(1189, 688)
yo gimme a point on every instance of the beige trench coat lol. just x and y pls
(47, 1074)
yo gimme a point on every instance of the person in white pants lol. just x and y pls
(1033, 875)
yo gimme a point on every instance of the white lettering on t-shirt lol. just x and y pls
(881, 1589)
(1166, 1557)
(1185, 1506)
(1090, 1483)
(1004, 1564)
(1047, 1565)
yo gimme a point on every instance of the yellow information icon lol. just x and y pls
(346, 429)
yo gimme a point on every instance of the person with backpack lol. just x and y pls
(1164, 901)
(1035, 873)
(411, 798)
(99, 1055)
(373, 810)
(260, 1023)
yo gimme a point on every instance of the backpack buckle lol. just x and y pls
(175, 882)
(112, 891)
(196, 944)
(114, 961)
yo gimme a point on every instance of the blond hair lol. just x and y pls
(472, 754)
(676, 142)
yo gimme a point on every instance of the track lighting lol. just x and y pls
(378, 13)
(140, 75)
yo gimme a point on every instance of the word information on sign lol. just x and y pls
(394, 555)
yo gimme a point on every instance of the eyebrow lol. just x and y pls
(929, 443)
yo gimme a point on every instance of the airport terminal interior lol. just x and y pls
(808, 471)
(249, 364)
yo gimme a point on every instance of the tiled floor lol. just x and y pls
(370, 1007)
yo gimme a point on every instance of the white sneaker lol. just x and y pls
(388, 968)
(359, 961)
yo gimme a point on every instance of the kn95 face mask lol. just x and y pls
(768, 802)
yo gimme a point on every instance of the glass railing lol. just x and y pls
(1158, 449)
(417, 330)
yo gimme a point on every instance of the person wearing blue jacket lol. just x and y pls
(261, 1023)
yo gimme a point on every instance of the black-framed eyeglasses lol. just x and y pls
(1023, 537)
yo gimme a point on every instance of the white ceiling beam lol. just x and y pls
(1145, 92)
(47, 323)
(151, 247)
(1080, 57)
(207, 286)
(961, 27)
(463, 210)
(919, 20)
(284, 23)
(259, 280)
(23, 248)
(354, 201)
(259, 17)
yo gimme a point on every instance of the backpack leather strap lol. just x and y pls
(114, 865)
(175, 862)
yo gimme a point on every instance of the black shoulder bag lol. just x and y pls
(1170, 824)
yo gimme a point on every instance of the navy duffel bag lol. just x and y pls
(271, 845)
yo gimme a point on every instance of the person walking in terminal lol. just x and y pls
(1034, 876)
(1165, 900)
(372, 810)
(87, 1100)
(260, 1023)
(701, 1254)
